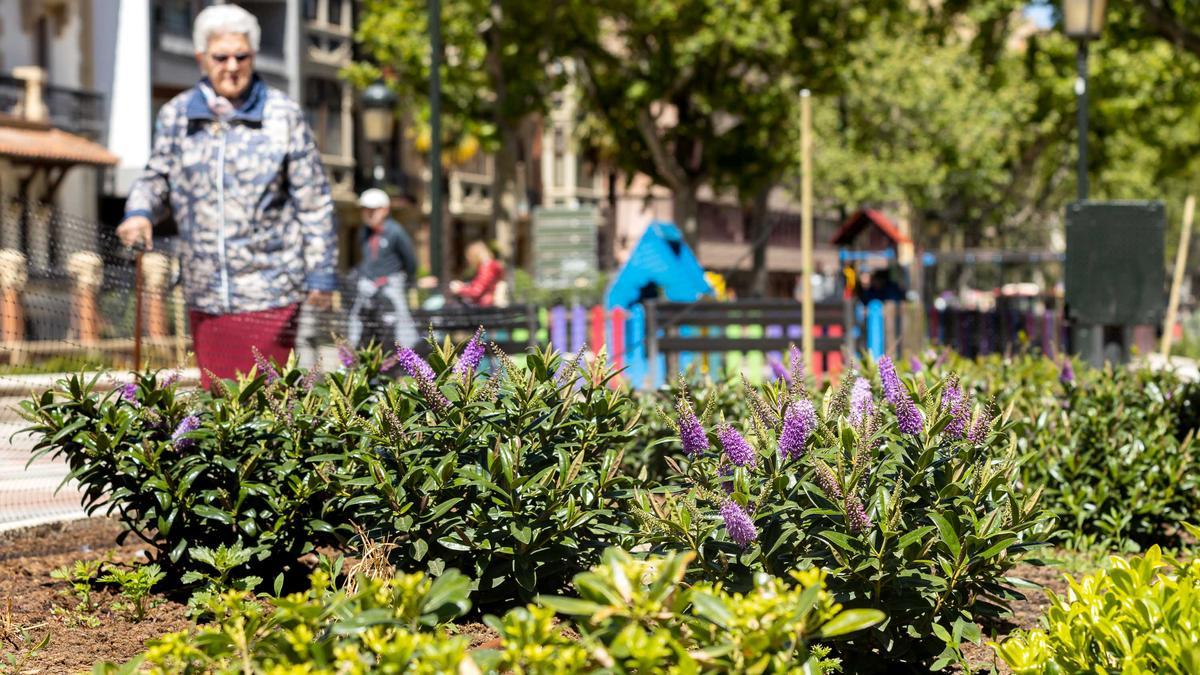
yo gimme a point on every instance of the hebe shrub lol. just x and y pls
(911, 503)
(1142, 615)
(1113, 447)
(255, 463)
(513, 478)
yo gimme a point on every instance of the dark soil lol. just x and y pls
(28, 598)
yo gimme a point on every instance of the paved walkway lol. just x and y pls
(27, 494)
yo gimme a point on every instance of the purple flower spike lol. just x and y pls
(862, 403)
(856, 516)
(471, 355)
(346, 356)
(738, 524)
(1066, 374)
(178, 439)
(893, 389)
(171, 379)
(914, 364)
(414, 365)
(735, 446)
(799, 421)
(691, 432)
(908, 417)
(956, 405)
(264, 366)
(796, 363)
(827, 482)
(128, 392)
(982, 427)
(777, 369)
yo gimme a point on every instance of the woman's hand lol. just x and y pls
(456, 286)
(136, 230)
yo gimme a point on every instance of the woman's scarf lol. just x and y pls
(221, 107)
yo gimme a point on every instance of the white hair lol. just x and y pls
(223, 19)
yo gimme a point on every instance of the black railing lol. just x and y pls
(74, 110)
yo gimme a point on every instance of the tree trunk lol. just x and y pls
(686, 208)
(504, 195)
(755, 214)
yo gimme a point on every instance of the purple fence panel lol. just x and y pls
(578, 328)
(558, 328)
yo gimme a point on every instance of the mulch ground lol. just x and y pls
(28, 598)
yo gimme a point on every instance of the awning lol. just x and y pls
(47, 145)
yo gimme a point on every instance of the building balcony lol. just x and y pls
(72, 110)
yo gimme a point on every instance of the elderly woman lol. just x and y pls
(235, 166)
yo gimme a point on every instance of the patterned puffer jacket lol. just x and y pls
(250, 197)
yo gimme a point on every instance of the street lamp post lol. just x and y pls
(379, 118)
(1082, 21)
(435, 144)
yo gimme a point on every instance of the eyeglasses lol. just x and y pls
(222, 58)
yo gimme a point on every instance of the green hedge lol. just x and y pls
(632, 616)
(1142, 615)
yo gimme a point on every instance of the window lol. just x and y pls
(272, 17)
(335, 12)
(310, 10)
(323, 106)
(174, 17)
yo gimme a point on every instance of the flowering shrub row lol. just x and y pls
(512, 478)
(907, 499)
(633, 616)
(1112, 447)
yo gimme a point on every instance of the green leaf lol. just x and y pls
(949, 536)
(850, 621)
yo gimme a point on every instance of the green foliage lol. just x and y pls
(134, 584)
(264, 467)
(924, 527)
(634, 616)
(385, 626)
(526, 291)
(82, 576)
(515, 481)
(1113, 448)
(1139, 616)
(639, 616)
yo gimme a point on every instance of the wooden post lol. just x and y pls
(180, 324)
(1189, 212)
(138, 291)
(806, 223)
(651, 343)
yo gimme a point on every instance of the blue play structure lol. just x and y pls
(661, 266)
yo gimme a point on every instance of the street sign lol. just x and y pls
(564, 247)
(1116, 263)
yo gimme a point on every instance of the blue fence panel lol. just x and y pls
(875, 333)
